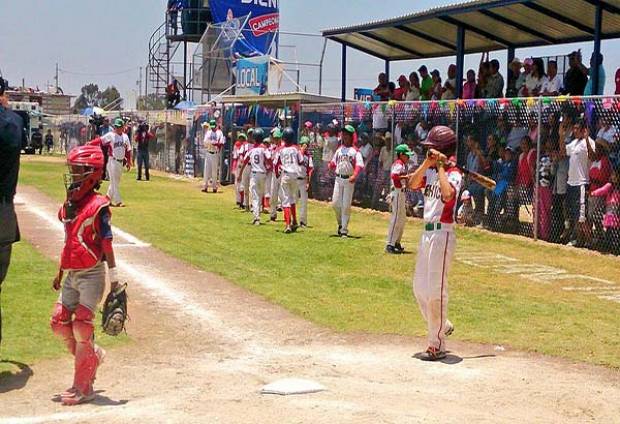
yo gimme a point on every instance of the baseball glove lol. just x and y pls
(114, 311)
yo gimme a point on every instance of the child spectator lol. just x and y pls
(526, 169)
(600, 173)
(466, 214)
(545, 193)
(611, 221)
(501, 198)
(476, 162)
(469, 88)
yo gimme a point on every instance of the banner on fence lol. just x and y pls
(260, 34)
(363, 94)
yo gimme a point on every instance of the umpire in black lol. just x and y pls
(12, 140)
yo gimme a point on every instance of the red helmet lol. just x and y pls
(85, 171)
(441, 138)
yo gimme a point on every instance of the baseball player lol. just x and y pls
(273, 143)
(260, 161)
(88, 242)
(307, 169)
(347, 162)
(398, 173)
(441, 182)
(237, 161)
(274, 186)
(287, 166)
(212, 143)
(119, 152)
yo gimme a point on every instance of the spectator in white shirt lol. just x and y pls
(552, 86)
(609, 133)
(421, 130)
(534, 81)
(414, 88)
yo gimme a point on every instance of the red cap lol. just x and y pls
(308, 124)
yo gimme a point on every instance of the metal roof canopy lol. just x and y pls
(480, 26)
(281, 99)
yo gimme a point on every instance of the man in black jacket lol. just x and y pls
(11, 142)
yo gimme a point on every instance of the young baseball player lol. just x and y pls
(347, 162)
(287, 165)
(307, 169)
(275, 139)
(88, 242)
(274, 187)
(119, 152)
(245, 173)
(237, 161)
(260, 161)
(398, 174)
(212, 143)
(441, 182)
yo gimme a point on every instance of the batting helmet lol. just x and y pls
(85, 171)
(258, 135)
(288, 136)
(441, 138)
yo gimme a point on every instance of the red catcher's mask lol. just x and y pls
(85, 165)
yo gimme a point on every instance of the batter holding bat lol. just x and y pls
(441, 182)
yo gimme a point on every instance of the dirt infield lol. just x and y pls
(202, 349)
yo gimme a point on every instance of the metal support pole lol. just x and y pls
(598, 24)
(460, 60)
(184, 70)
(387, 70)
(535, 202)
(511, 57)
(343, 94)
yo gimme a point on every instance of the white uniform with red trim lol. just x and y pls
(212, 144)
(307, 168)
(397, 201)
(119, 151)
(437, 245)
(244, 186)
(344, 162)
(259, 159)
(273, 186)
(288, 161)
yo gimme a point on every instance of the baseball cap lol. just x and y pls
(516, 61)
(465, 195)
(435, 72)
(213, 122)
(242, 136)
(276, 133)
(205, 124)
(304, 140)
(349, 128)
(119, 123)
(308, 124)
(423, 68)
(403, 149)
(388, 134)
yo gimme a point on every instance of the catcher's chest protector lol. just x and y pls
(82, 249)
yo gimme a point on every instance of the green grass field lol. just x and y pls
(27, 303)
(351, 285)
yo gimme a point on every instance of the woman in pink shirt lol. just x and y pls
(469, 88)
(599, 173)
(525, 173)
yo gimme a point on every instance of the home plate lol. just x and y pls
(292, 386)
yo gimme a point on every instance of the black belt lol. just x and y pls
(119, 160)
(346, 177)
(213, 153)
(301, 178)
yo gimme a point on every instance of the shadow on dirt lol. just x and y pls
(14, 381)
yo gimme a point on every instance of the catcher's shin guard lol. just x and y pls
(62, 326)
(86, 360)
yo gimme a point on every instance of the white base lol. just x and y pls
(292, 386)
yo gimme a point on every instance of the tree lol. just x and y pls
(89, 97)
(151, 102)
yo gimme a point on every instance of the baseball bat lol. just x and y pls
(484, 181)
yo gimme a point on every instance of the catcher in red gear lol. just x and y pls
(88, 243)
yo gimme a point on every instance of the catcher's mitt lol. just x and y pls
(114, 311)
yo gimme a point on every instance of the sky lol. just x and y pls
(106, 42)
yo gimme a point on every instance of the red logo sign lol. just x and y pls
(265, 24)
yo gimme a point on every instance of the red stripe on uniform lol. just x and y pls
(443, 274)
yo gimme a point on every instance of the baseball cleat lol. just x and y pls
(288, 230)
(78, 398)
(215, 190)
(256, 222)
(294, 227)
(204, 190)
(391, 250)
(399, 248)
(339, 230)
(273, 218)
(344, 235)
(433, 354)
(449, 328)
(303, 225)
(58, 397)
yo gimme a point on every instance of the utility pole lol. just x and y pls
(139, 84)
(56, 78)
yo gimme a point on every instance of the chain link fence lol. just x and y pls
(551, 184)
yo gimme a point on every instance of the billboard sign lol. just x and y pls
(363, 94)
(260, 32)
(253, 76)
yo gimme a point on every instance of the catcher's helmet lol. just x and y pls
(258, 135)
(85, 171)
(441, 138)
(288, 136)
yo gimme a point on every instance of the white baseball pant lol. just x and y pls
(257, 188)
(270, 176)
(290, 187)
(276, 195)
(303, 199)
(398, 218)
(341, 202)
(211, 170)
(245, 186)
(115, 171)
(238, 185)
(430, 282)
